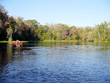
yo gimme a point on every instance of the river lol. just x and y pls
(81, 62)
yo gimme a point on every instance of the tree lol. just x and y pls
(33, 24)
(3, 23)
(60, 31)
(11, 29)
(73, 33)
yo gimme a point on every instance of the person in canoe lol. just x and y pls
(17, 41)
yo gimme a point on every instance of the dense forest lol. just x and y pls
(31, 30)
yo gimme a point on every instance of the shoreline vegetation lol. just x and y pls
(12, 29)
(13, 41)
(51, 41)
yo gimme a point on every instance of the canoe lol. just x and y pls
(17, 43)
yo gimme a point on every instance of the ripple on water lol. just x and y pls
(60, 64)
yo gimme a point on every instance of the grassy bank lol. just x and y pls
(52, 41)
(68, 41)
(12, 41)
(61, 41)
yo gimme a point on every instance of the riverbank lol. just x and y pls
(13, 41)
(52, 41)
(67, 41)
(61, 41)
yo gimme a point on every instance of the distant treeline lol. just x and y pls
(30, 30)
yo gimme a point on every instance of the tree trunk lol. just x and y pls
(10, 39)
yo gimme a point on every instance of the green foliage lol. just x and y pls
(31, 30)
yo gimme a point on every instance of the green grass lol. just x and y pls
(101, 41)
(68, 41)
(61, 41)
(51, 41)
(12, 41)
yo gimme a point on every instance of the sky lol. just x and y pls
(80, 13)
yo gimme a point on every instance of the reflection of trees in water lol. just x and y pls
(57, 44)
(9, 53)
(17, 52)
(5, 53)
(54, 44)
(96, 45)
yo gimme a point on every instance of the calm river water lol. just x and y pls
(55, 63)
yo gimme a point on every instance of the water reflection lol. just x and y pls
(8, 52)
(55, 62)
(5, 53)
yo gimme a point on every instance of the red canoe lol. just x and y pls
(17, 43)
